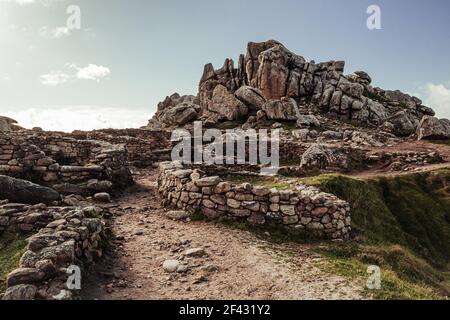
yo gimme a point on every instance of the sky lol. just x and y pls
(128, 55)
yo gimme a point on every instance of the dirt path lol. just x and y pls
(236, 264)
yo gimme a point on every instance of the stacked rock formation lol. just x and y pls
(270, 82)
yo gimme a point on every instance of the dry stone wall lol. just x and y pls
(301, 208)
(59, 238)
(51, 158)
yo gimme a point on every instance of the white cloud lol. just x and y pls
(26, 2)
(54, 78)
(69, 118)
(56, 33)
(21, 2)
(437, 96)
(92, 72)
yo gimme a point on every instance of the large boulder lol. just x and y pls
(6, 124)
(251, 97)
(226, 105)
(21, 191)
(180, 114)
(404, 123)
(433, 128)
(283, 110)
(175, 111)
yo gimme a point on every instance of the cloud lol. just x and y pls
(70, 118)
(56, 33)
(437, 96)
(73, 73)
(92, 72)
(54, 78)
(26, 2)
(21, 2)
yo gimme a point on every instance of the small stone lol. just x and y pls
(102, 197)
(195, 252)
(177, 215)
(171, 266)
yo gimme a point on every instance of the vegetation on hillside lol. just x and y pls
(401, 224)
(12, 248)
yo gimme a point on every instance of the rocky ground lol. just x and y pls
(212, 261)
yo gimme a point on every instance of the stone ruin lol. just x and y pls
(300, 207)
(331, 122)
(45, 181)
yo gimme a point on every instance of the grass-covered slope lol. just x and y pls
(402, 224)
(11, 249)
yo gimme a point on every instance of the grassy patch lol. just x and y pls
(12, 248)
(401, 224)
(268, 182)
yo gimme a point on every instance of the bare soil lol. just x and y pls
(237, 264)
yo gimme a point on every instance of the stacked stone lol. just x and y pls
(65, 237)
(19, 156)
(302, 208)
(24, 153)
(144, 147)
(403, 160)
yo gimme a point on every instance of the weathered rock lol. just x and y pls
(102, 197)
(207, 182)
(251, 97)
(177, 215)
(433, 128)
(21, 292)
(22, 191)
(171, 266)
(195, 252)
(404, 123)
(284, 110)
(6, 124)
(24, 276)
(226, 105)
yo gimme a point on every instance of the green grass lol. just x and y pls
(396, 284)
(401, 224)
(12, 248)
(268, 182)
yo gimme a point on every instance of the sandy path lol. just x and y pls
(237, 264)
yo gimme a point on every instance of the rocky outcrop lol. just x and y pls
(269, 75)
(26, 192)
(433, 128)
(175, 111)
(6, 124)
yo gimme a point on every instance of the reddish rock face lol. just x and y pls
(269, 71)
